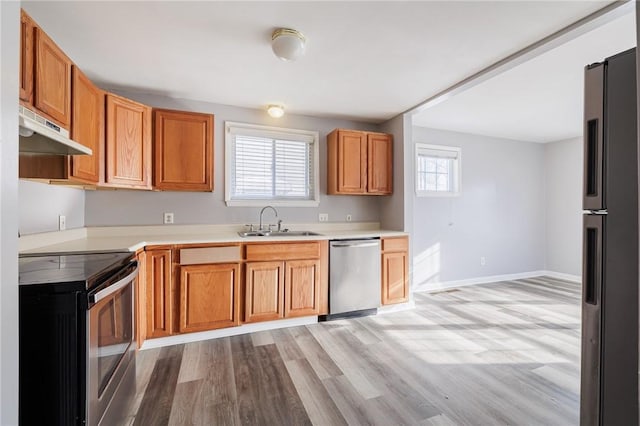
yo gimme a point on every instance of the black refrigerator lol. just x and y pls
(609, 370)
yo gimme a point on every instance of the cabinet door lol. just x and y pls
(264, 292)
(208, 297)
(379, 163)
(302, 288)
(159, 315)
(141, 299)
(128, 143)
(87, 127)
(52, 80)
(395, 271)
(183, 151)
(27, 28)
(352, 162)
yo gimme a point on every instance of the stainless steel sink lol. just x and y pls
(277, 234)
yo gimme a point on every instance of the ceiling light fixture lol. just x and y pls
(275, 111)
(288, 44)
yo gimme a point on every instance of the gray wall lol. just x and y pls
(41, 204)
(9, 45)
(498, 215)
(146, 208)
(563, 173)
(395, 210)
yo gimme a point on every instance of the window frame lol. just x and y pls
(275, 133)
(457, 174)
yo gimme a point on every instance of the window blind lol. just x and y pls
(272, 168)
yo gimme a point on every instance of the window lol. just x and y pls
(437, 170)
(270, 165)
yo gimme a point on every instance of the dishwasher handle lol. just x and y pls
(355, 244)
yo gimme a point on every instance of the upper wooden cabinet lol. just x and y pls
(27, 28)
(45, 73)
(128, 148)
(52, 89)
(183, 151)
(87, 127)
(359, 163)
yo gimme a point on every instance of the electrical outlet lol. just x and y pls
(323, 217)
(168, 218)
(348, 218)
(62, 222)
(483, 261)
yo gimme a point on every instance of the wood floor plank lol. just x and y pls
(503, 353)
(317, 402)
(155, 408)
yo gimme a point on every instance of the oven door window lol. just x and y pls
(114, 332)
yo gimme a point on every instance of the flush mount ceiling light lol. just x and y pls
(275, 111)
(288, 44)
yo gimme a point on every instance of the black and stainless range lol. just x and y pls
(76, 329)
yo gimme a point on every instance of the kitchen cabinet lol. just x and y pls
(52, 87)
(27, 28)
(159, 315)
(395, 270)
(45, 74)
(87, 128)
(128, 143)
(183, 151)
(285, 280)
(359, 163)
(208, 297)
(140, 299)
(264, 291)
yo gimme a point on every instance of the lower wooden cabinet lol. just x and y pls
(159, 293)
(285, 280)
(302, 289)
(208, 297)
(264, 291)
(395, 270)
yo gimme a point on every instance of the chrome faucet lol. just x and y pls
(262, 211)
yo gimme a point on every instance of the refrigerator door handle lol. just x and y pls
(593, 188)
(592, 259)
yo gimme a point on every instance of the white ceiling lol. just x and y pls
(365, 60)
(538, 101)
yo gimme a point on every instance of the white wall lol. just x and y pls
(41, 204)
(500, 213)
(146, 208)
(563, 172)
(9, 45)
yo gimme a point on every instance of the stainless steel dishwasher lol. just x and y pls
(354, 277)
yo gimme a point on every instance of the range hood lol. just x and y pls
(40, 136)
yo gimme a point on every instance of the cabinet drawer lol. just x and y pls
(395, 244)
(202, 255)
(283, 251)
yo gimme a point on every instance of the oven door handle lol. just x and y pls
(104, 293)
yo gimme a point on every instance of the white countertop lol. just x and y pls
(132, 238)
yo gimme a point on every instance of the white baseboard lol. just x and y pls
(495, 278)
(389, 309)
(225, 332)
(563, 276)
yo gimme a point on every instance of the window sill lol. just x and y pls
(437, 194)
(267, 202)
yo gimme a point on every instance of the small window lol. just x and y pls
(437, 170)
(270, 165)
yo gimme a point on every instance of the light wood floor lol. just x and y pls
(493, 354)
